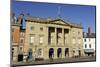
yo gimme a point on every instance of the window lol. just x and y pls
(32, 38)
(32, 28)
(89, 45)
(73, 41)
(20, 48)
(41, 28)
(85, 40)
(89, 39)
(66, 30)
(41, 39)
(39, 52)
(85, 45)
(78, 32)
(21, 41)
(79, 37)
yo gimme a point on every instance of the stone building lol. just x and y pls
(47, 38)
(89, 43)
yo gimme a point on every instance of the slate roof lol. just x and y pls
(89, 35)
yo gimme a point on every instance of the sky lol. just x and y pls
(68, 12)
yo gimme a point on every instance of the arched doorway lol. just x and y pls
(51, 53)
(66, 52)
(59, 52)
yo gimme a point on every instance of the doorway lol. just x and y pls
(59, 53)
(20, 57)
(66, 52)
(51, 53)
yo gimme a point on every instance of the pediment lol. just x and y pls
(59, 21)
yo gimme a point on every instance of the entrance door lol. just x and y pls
(51, 53)
(59, 52)
(20, 57)
(30, 54)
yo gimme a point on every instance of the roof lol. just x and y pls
(89, 35)
(52, 21)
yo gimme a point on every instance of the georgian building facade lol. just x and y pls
(52, 39)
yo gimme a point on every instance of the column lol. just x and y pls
(55, 36)
(46, 38)
(55, 53)
(63, 52)
(63, 36)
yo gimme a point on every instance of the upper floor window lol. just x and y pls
(85, 40)
(89, 39)
(41, 39)
(89, 45)
(78, 32)
(41, 28)
(32, 40)
(85, 45)
(66, 30)
(21, 41)
(73, 41)
(32, 28)
(20, 48)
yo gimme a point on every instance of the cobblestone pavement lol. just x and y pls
(55, 61)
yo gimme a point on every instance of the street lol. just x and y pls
(55, 61)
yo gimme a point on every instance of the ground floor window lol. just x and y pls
(39, 52)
